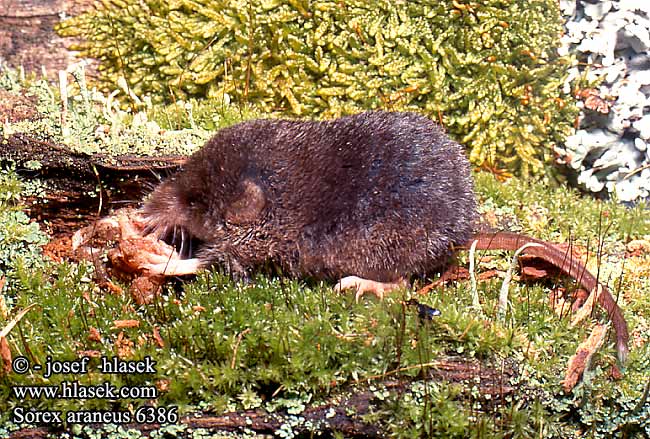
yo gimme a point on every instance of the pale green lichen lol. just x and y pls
(93, 122)
(20, 238)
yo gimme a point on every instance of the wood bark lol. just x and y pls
(27, 36)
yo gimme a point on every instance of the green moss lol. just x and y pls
(486, 69)
(281, 344)
(231, 346)
(559, 213)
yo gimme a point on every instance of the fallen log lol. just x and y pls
(81, 187)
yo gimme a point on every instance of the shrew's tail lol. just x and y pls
(567, 264)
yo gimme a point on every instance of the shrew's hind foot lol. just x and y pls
(363, 286)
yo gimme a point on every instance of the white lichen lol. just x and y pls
(611, 42)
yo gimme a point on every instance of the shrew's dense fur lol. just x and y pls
(379, 195)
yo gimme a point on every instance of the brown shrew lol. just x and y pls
(370, 199)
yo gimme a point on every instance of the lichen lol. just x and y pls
(609, 153)
(20, 239)
(91, 122)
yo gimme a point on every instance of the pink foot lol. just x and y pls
(363, 286)
(173, 267)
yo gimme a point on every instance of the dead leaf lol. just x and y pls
(588, 307)
(558, 302)
(114, 288)
(636, 248)
(452, 273)
(561, 304)
(580, 296)
(534, 268)
(455, 273)
(532, 273)
(593, 101)
(119, 324)
(489, 274)
(579, 362)
(144, 288)
(615, 373)
(58, 249)
(94, 335)
(93, 354)
(124, 346)
(5, 355)
(156, 336)
(163, 385)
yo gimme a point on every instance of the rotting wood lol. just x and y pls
(28, 39)
(72, 180)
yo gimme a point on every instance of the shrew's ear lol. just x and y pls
(248, 204)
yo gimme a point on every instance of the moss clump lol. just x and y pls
(533, 208)
(486, 69)
(279, 344)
